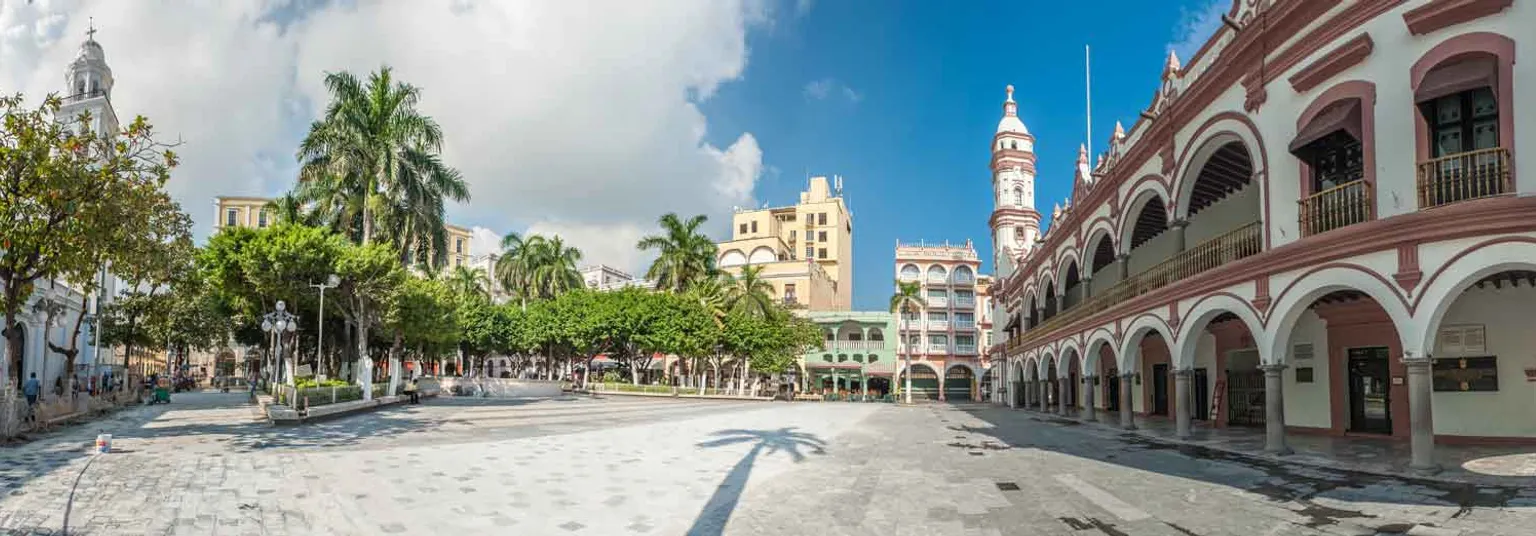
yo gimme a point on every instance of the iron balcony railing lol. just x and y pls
(964, 279)
(961, 324)
(1340, 206)
(934, 301)
(1244, 241)
(1463, 176)
(857, 345)
(965, 348)
(937, 280)
(965, 302)
(908, 278)
(938, 324)
(938, 348)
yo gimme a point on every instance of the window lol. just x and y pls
(821, 236)
(965, 340)
(937, 293)
(1018, 196)
(810, 252)
(938, 340)
(1462, 122)
(939, 316)
(821, 219)
(754, 226)
(821, 253)
(789, 291)
(458, 246)
(791, 235)
(230, 217)
(743, 229)
(261, 218)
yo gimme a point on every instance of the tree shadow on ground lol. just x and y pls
(712, 519)
(1276, 480)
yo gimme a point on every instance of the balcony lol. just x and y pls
(938, 324)
(1340, 206)
(1244, 241)
(937, 280)
(908, 278)
(965, 302)
(1464, 176)
(938, 348)
(961, 324)
(965, 349)
(938, 302)
(965, 280)
(911, 323)
(856, 346)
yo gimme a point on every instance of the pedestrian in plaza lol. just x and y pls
(31, 389)
(410, 391)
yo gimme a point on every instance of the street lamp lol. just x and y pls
(330, 282)
(277, 323)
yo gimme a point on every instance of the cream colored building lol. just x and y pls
(805, 250)
(252, 212)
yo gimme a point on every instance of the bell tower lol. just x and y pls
(88, 87)
(1015, 222)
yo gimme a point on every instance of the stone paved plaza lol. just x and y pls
(642, 466)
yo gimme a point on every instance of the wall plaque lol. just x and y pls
(1466, 374)
(1304, 375)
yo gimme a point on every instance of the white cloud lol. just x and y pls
(830, 87)
(483, 241)
(558, 124)
(1196, 26)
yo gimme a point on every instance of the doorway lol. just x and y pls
(1202, 396)
(1160, 389)
(1370, 380)
(1112, 390)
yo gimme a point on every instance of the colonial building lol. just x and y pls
(1316, 225)
(805, 250)
(49, 313)
(858, 357)
(602, 277)
(942, 337)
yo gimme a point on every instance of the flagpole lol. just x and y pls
(1088, 97)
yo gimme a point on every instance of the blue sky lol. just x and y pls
(903, 103)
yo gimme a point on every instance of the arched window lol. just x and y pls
(1018, 196)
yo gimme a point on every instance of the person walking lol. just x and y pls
(31, 389)
(410, 390)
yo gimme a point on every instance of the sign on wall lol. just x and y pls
(1462, 339)
(1302, 351)
(1466, 374)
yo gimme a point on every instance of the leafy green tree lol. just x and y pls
(469, 282)
(59, 189)
(748, 292)
(684, 254)
(684, 327)
(371, 164)
(370, 274)
(422, 314)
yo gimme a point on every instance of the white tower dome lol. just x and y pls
(1010, 121)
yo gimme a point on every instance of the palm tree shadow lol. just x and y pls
(716, 512)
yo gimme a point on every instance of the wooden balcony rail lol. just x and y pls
(1463, 176)
(1340, 206)
(1238, 243)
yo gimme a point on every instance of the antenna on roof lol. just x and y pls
(838, 180)
(1088, 94)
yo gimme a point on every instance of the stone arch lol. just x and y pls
(910, 272)
(1096, 339)
(1461, 272)
(847, 329)
(1129, 353)
(1502, 49)
(1299, 295)
(1066, 350)
(1134, 212)
(1230, 138)
(964, 271)
(1200, 314)
(963, 365)
(732, 257)
(761, 255)
(1067, 257)
(1365, 93)
(1101, 242)
(1043, 365)
(875, 334)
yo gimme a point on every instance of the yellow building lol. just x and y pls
(805, 250)
(234, 211)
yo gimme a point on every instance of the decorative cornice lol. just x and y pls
(1345, 56)
(1443, 13)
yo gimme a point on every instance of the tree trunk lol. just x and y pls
(12, 345)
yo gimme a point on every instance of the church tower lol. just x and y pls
(1015, 222)
(88, 87)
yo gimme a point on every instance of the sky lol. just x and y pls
(591, 118)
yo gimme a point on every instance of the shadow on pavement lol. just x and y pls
(716, 512)
(1278, 481)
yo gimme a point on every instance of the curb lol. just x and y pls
(300, 419)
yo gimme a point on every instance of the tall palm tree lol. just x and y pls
(371, 165)
(466, 281)
(287, 208)
(685, 254)
(711, 292)
(511, 267)
(748, 292)
(554, 270)
(907, 299)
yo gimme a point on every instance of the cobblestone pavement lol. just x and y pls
(639, 466)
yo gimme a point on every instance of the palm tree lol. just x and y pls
(554, 270)
(711, 292)
(371, 164)
(748, 292)
(686, 255)
(511, 267)
(466, 281)
(288, 208)
(908, 299)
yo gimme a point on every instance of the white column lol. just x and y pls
(1127, 393)
(1274, 409)
(1182, 397)
(1089, 412)
(1421, 432)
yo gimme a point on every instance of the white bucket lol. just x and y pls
(103, 443)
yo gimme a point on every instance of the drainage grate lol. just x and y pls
(975, 453)
(1007, 486)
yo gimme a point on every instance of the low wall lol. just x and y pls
(499, 387)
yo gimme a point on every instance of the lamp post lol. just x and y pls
(330, 282)
(277, 323)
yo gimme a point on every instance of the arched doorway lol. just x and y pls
(958, 382)
(925, 382)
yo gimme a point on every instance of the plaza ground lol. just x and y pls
(616, 466)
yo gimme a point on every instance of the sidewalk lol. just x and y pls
(1507, 465)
